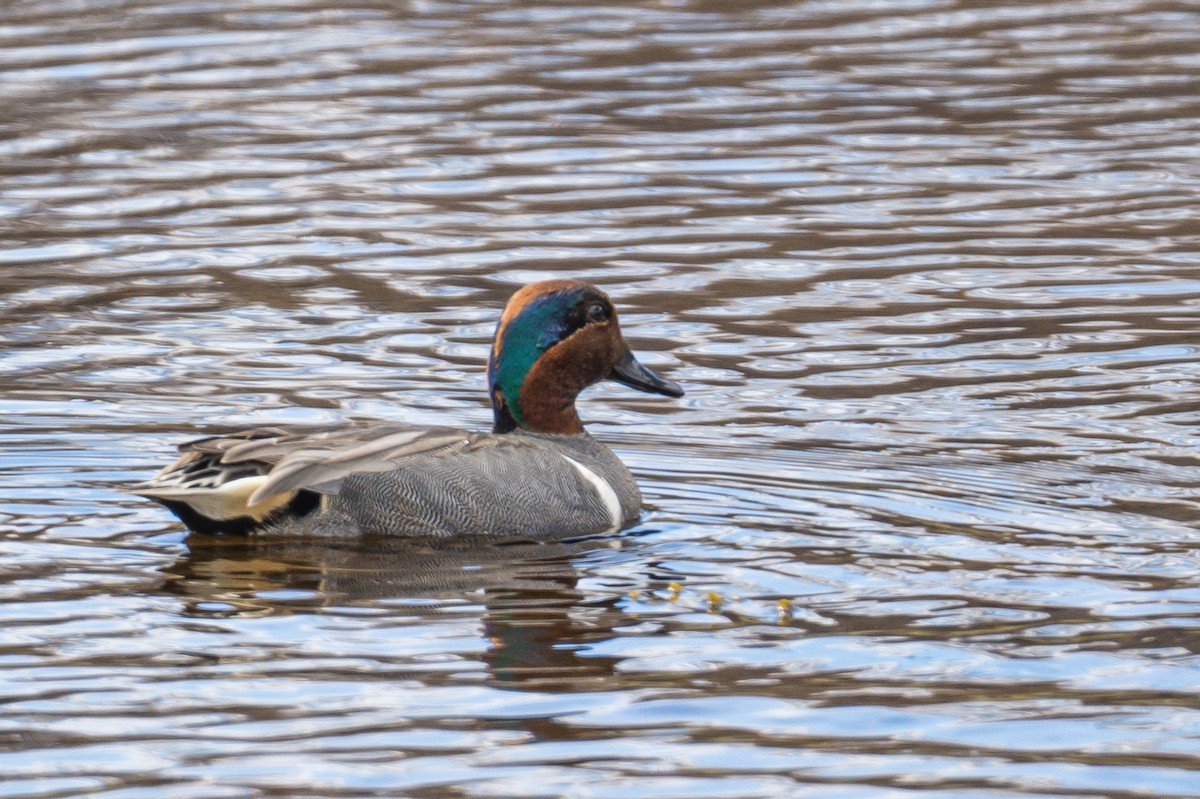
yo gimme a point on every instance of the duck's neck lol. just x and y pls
(546, 413)
(545, 402)
(538, 413)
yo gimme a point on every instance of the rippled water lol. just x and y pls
(927, 269)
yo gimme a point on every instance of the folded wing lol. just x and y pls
(241, 481)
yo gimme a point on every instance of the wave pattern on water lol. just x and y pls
(926, 268)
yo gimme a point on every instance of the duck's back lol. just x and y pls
(516, 484)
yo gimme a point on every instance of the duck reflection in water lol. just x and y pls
(532, 618)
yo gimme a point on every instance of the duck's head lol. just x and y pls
(556, 338)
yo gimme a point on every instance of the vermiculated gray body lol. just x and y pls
(519, 484)
(511, 485)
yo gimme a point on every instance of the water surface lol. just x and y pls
(925, 523)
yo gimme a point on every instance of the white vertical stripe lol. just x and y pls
(604, 490)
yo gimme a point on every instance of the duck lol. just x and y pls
(536, 474)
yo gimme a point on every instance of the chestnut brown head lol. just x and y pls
(556, 338)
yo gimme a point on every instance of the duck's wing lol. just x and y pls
(321, 463)
(254, 474)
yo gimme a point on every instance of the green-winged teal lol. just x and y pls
(538, 473)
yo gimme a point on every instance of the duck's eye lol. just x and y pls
(597, 312)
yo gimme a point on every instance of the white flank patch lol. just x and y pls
(607, 496)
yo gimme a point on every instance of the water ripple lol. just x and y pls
(925, 522)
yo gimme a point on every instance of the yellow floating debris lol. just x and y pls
(784, 609)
